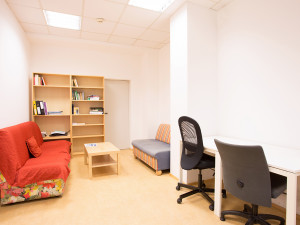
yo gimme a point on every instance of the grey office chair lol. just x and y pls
(192, 157)
(246, 175)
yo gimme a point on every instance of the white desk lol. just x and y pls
(282, 161)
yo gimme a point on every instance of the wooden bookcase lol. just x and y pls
(58, 94)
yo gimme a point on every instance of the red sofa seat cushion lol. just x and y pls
(52, 164)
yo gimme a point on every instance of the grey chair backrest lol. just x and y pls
(246, 173)
(192, 143)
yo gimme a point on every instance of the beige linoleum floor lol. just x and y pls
(134, 197)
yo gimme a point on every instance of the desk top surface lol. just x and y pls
(278, 157)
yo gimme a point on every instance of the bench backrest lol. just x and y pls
(163, 133)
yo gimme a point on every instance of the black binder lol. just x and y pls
(42, 108)
(38, 107)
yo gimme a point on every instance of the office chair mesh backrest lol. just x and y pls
(192, 144)
(246, 173)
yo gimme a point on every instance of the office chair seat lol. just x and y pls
(278, 184)
(207, 161)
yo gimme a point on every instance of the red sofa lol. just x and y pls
(23, 177)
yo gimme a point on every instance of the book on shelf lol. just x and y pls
(77, 95)
(40, 108)
(93, 97)
(55, 112)
(96, 113)
(44, 134)
(74, 81)
(74, 124)
(39, 80)
(43, 81)
(34, 108)
(58, 133)
(45, 108)
(96, 110)
(76, 110)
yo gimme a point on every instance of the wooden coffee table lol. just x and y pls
(99, 155)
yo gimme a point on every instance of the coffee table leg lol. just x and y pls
(85, 157)
(118, 163)
(90, 167)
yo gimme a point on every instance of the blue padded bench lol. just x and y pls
(155, 152)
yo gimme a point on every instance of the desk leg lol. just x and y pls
(218, 185)
(291, 199)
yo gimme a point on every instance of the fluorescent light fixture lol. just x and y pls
(62, 20)
(154, 5)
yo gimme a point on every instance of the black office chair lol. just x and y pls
(192, 157)
(246, 175)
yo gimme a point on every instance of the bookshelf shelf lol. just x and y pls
(88, 100)
(88, 136)
(57, 138)
(89, 125)
(50, 86)
(81, 87)
(50, 115)
(57, 91)
(87, 115)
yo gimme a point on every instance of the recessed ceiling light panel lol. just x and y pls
(154, 5)
(62, 20)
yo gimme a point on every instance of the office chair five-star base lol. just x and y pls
(200, 189)
(251, 213)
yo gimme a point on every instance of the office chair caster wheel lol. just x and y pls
(211, 207)
(177, 187)
(222, 218)
(224, 195)
(179, 200)
(203, 186)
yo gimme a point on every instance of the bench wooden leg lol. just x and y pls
(158, 172)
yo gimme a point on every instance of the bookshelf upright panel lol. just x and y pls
(87, 103)
(51, 93)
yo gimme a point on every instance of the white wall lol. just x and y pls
(138, 65)
(193, 46)
(259, 67)
(164, 84)
(14, 69)
(202, 67)
(178, 84)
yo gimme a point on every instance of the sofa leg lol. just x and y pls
(158, 172)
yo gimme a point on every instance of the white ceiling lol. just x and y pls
(123, 24)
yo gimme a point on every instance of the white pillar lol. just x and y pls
(193, 68)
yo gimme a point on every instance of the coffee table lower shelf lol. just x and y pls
(103, 160)
(99, 155)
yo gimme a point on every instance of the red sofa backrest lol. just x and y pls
(13, 149)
